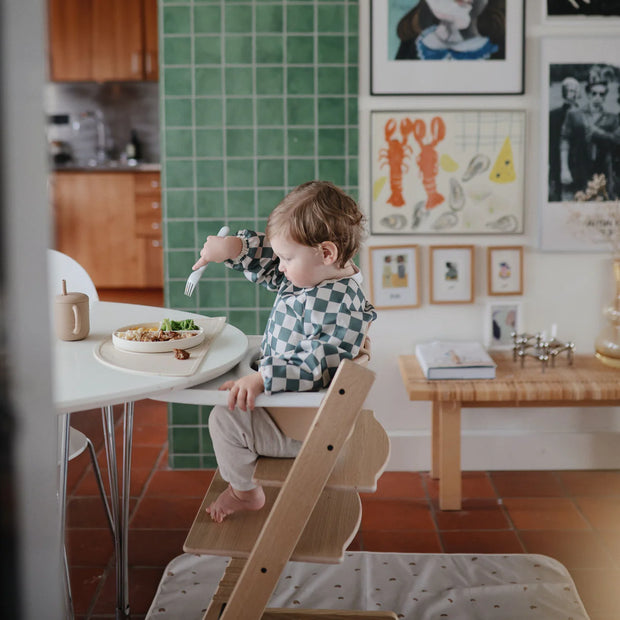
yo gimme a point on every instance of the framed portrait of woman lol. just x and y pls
(447, 47)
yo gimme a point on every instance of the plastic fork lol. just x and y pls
(195, 276)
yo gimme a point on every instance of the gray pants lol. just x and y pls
(240, 437)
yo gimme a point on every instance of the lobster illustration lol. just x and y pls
(395, 156)
(427, 160)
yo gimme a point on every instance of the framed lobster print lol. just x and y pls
(447, 172)
(447, 47)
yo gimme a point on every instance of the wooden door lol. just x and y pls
(117, 40)
(150, 41)
(70, 50)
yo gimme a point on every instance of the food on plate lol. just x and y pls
(181, 354)
(168, 325)
(153, 334)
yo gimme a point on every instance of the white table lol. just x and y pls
(81, 382)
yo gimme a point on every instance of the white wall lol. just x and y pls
(25, 230)
(568, 289)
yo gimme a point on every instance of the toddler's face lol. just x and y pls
(301, 264)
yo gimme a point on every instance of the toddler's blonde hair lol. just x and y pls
(318, 211)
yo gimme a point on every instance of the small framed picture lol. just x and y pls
(502, 318)
(452, 274)
(395, 276)
(505, 270)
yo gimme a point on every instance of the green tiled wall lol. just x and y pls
(257, 97)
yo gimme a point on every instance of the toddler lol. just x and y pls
(320, 316)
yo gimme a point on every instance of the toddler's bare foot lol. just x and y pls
(230, 501)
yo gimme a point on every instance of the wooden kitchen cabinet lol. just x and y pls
(103, 40)
(100, 222)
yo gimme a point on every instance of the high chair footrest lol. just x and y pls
(325, 614)
(330, 528)
(362, 459)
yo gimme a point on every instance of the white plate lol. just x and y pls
(155, 347)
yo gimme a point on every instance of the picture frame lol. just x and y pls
(505, 270)
(569, 11)
(492, 63)
(447, 172)
(451, 274)
(395, 276)
(579, 213)
(501, 318)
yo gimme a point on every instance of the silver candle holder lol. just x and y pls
(541, 348)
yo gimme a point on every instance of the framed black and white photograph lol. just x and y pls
(447, 47)
(505, 270)
(452, 274)
(580, 184)
(501, 319)
(447, 172)
(395, 276)
(566, 10)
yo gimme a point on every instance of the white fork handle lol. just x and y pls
(223, 232)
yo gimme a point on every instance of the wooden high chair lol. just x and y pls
(312, 509)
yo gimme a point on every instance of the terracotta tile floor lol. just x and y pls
(573, 516)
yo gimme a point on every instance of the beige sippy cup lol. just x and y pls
(71, 315)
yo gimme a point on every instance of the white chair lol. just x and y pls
(62, 267)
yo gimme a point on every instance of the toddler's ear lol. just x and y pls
(329, 252)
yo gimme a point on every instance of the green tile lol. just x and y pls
(353, 179)
(263, 316)
(179, 143)
(352, 141)
(353, 49)
(210, 226)
(300, 171)
(267, 200)
(300, 18)
(208, 112)
(240, 172)
(270, 111)
(209, 202)
(265, 298)
(184, 415)
(269, 49)
(238, 18)
(269, 18)
(207, 50)
(242, 294)
(239, 142)
(239, 111)
(177, 51)
(300, 142)
(180, 203)
(209, 143)
(270, 173)
(352, 84)
(183, 462)
(180, 234)
(331, 80)
(333, 170)
(353, 10)
(331, 50)
(245, 320)
(178, 298)
(240, 203)
(269, 81)
(331, 18)
(178, 81)
(300, 80)
(331, 142)
(211, 293)
(238, 50)
(352, 110)
(205, 410)
(331, 111)
(209, 173)
(207, 19)
(300, 111)
(208, 80)
(180, 173)
(176, 20)
(177, 112)
(208, 462)
(205, 439)
(269, 142)
(300, 50)
(179, 263)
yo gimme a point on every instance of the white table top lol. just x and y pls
(208, 393)
(82, 382)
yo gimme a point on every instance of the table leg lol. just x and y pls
(435, 441)
(119, 504)
(449, 413)
(64, 432)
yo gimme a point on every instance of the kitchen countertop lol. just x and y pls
(110, 166)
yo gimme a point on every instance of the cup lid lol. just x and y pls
(71, 297)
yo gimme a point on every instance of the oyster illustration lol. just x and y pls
(506, 223)
(419, 213)
(478, 164)
(395, 222)
(447, 163)
(446, 221)
(457, 195)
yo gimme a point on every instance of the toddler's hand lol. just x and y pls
(218, 249)
(243, 392)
